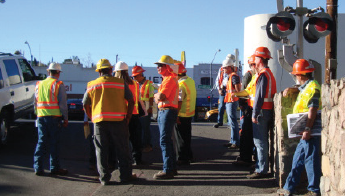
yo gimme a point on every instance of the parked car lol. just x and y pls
(17, 90)
(75, 109)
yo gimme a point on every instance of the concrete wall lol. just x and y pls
(333, 138)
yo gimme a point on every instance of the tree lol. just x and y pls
(87, 62)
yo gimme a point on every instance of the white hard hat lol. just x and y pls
(54, 66)
(121, 66)
(230, 56)
(228, 62)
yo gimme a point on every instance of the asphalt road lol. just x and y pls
(212, 173)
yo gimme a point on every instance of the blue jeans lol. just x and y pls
(231, 108)
(112, 134)
(49, 129)
(146, 132)
(260, 136)
(221, 108)
(166, 122)
(306, 156)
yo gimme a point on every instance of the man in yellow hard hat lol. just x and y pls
(51, 109)
(105, 103)
(307, 151)
(167, 100)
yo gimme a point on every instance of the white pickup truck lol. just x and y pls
(17, 91)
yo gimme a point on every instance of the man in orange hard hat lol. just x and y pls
(307, 151)
(262, 116)
(186, 111)
(146, 95)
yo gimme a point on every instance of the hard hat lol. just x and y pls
(263, 52)
(136, 70)
(103, 64)
(227, 62)
(302, 66)
(121, 66)
(165, 59)
(54, 66)
(181, 68)
(230, 56)
(251, 59)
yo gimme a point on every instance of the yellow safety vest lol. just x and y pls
(251, 90)
(146, 90)
(47, 97)
(188, 104)
(107, 96)
(304, 97)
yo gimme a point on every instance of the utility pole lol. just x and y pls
(331, 43)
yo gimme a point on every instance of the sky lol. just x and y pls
(138, 31)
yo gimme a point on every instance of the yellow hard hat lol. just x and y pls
(103, 64)
(165, 59)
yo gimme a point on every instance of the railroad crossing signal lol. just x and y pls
(280, 26)
(319, 25)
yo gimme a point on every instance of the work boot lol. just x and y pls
(163, 176)
(256, 175)
(283, 192)
(311, 193)
(217, 125)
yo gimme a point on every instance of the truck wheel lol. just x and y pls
(4, 127)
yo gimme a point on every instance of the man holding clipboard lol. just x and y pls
(307, 151)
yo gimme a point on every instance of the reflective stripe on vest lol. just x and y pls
(250, 90)
(135, 91)
(270, 89)
(304, 97)
(107, 99)
(230, 89)
(145, 90)
(46, 97)
(188, 104)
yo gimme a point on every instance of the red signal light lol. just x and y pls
(282, 25)
(72, 103)
(320, 25)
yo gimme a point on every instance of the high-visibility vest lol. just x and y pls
(250, 90)
(304, 97)
(107, 96)
(230, 89)
(171, 99)
(135, 92)
(188, 104)
(145, 90)
(271, 89)
(47, 97)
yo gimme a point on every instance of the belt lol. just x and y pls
(167, 108)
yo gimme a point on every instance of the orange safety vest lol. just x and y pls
(169, 83)
(230, 89)
(271, 89)
(107, 96)
(135, 91)
(145, 90)
(46, 97)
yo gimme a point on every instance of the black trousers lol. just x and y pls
(246, 136)
(135, 137)
(183, 134)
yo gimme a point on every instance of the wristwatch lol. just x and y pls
(307, 128)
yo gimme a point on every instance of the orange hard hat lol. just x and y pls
(251, 59)
(263, 52)
(136, 70)
(181, 68)
(302, 66)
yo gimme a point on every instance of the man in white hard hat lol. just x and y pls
(233, 86)
(51, 109)
(105, 103)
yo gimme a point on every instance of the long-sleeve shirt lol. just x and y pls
(223, 83)
(260, 93)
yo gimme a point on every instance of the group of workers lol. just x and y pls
(120, 109)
